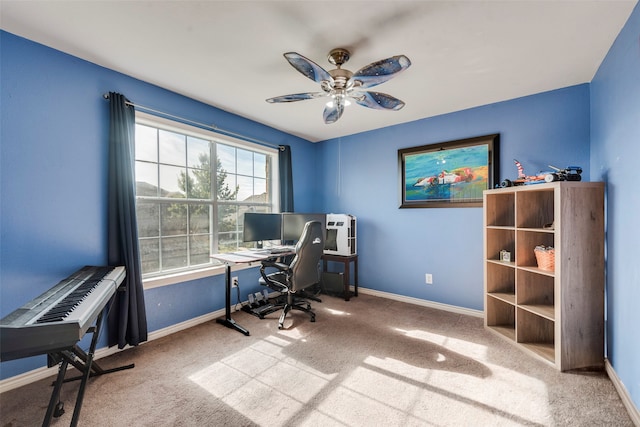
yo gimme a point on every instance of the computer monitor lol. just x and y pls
(293, 224)
(261, 226)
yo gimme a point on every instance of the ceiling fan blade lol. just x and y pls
(296, 97)
(332, 112)
(377, 100)
(307, 67)
(380, 71)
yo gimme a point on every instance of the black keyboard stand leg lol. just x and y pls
(85, 364)
(87, 372)
(55, 395)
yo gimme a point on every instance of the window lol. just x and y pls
(189, 206)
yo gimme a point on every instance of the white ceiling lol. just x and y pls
(229, 53)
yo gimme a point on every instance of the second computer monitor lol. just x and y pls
(293, 224)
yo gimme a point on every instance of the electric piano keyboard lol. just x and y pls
(60, 317)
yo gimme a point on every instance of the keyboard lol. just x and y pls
(61, 316)
(274, 250)
(281, 250)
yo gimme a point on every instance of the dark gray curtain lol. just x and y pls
(286, 179)
(127, 318)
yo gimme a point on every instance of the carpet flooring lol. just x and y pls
(370, 361)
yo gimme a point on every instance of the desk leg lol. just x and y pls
(347, 280)
(228, 321)
(355, 276)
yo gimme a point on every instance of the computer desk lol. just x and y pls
(242, 257)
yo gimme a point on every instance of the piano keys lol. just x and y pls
(59, 318)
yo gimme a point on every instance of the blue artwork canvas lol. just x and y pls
(449, 173)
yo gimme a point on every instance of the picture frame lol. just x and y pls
(505, 256)
(449, 174)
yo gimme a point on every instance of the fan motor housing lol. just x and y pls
(340, 76)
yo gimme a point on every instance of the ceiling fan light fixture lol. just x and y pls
(344, 100)
(340, 84)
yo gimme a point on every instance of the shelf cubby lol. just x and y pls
(500, 211)
(535, 208)
(501, 280)
(501, 239)
(535, 293)
(536, 333)
(502, 318)
(527, 240)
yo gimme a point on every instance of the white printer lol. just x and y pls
(341, 235)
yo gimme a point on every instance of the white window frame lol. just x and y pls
(191, 273)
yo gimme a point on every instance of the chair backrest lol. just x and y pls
(305, 265)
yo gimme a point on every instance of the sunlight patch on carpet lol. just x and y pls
(261, 382)
(467, 348)
(426, 393)
(337, 312)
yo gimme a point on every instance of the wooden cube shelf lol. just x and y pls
(556, 315)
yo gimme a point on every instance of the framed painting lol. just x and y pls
(448, 174)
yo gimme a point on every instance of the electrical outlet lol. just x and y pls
(428, 278)
(234, 282)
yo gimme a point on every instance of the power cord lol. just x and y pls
(237, 296)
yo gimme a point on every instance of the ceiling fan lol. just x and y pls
(341, 85)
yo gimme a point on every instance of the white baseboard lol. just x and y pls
(633, 411)
(422, 302)
(27, 378)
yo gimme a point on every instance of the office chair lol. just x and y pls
(302, 272)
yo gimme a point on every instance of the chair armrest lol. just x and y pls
(269, 279)
(279, 265)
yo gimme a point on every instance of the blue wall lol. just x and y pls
(615, 152)
(398, 246)
(53, 165)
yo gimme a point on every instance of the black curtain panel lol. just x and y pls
(127, 319)
(286, 179)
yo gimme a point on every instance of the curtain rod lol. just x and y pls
(212, 127)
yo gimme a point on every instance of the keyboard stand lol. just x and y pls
(85, 364)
